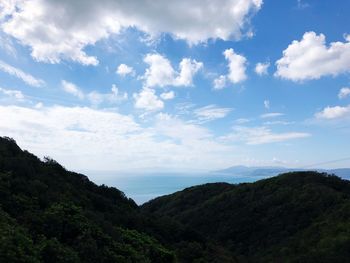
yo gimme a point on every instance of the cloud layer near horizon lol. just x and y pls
(92, 139)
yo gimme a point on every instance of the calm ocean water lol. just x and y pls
(142, 188)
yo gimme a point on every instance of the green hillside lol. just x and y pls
(48, 214)
(51, 215)
(294, 217)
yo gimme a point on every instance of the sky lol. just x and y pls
(186, 85)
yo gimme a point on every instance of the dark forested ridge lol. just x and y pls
(294, 217)
(48, 214)
(51, 215)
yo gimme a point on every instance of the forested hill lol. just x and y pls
(51, 215)
(48, 214)
(294, 217)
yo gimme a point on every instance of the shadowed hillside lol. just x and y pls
(51, 215)
(295, 217)
(48, 214)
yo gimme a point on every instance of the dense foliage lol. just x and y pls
(48, 214)
(294, 217)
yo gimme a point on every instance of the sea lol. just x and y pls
(144, 187)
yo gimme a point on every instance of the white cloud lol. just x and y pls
(7, 45)
(184, 108)
(262, 68)
(177, 129)
(343, 93)
(39, 105)
(56, 30)
(211, 112)
(82, 138)
(242, 121)
(220, 82)
(336, 112)
(302, 4)
(96, 98)
(163, 116)
(16, 94)
(72, 89)
(237, 66)
(148, 100)
(310, 58)
(25, 77)
(124, 70)
(160, 72)
(188, 68)
(271, 115)
(262, 135)
(278, 123)
(7, 8)
(168, 95)
(267, 104)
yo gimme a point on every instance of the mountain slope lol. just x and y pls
(294, 217)
(51, 215)
(269, 171)
(48, 214)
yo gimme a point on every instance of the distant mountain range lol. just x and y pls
(268, 171)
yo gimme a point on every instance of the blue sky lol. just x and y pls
(182, 86)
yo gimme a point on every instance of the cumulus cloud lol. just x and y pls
(343, 93)
(262, 68)
(211, 112)
(271, 115)
(72, 89)
(262, 135)
(236, 65)
(124, 70)
(148, 100)
(160, 72)
(168, 95)
(18, 73)
(310, 58)
(56, 30)
(336, 112)
(220, 82)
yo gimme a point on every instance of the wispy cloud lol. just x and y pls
(94, 97)
(262, 135)
(92, 139)
(271, 115)
(211, 112)
(72, 89)
(18, 73)
(15, 94)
